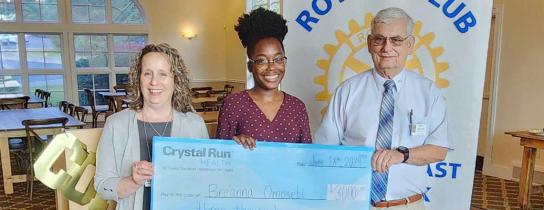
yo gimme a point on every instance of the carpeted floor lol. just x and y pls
(489, 193)
(494, 193)
(43, 198)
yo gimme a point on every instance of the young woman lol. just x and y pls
(264, 112)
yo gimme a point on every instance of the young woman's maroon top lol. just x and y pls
(240, 115)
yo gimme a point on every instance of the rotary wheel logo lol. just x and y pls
(349, 57)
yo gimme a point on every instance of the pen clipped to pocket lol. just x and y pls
(416, 128)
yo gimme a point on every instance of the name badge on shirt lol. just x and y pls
(418, 129)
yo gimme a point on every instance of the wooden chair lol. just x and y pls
(121, 88)
(45, 96)
(228, 89)
(63, 106)
(14, 103)
(38, 92)
(220, 101)
(79, 112)
(17, 147)
(95, 112)
(71, 108)
(33, 137)
(208, 106)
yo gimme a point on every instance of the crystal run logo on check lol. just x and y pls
(201, 152)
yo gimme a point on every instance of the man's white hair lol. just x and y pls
(393, 13)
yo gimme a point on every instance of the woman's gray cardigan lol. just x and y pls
(119, 147)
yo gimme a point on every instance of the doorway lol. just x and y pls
(487, 118)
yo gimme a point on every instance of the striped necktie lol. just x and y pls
(383, 139)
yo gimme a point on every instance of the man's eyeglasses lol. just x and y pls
(379, 40)
(262, 62)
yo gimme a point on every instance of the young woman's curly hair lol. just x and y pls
(181, 99)
(260, 24)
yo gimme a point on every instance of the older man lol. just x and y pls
(397, 111)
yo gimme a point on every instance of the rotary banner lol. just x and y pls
(326, 44)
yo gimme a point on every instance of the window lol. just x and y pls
(94, 11)
(40, 10)
(91, 50)
(7, 10)
(121, 79)
(31, 59)
(95, 82)
(52, 83)
(125, 47)
(126, 12)
(43, 51)
(259, 3)
(94, 65)
(88, 11)
(10, 84)
(274, 5)
(9, 52)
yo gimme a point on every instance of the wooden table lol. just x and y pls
(11, 126)
(115, 100)
(218, 92)
(530, 143)
(204, 99)
(33, 99)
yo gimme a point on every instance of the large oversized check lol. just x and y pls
(193, 174)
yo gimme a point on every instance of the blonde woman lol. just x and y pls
(160, 106)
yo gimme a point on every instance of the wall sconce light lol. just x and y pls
(189, 34)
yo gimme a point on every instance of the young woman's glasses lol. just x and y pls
(262, 62)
